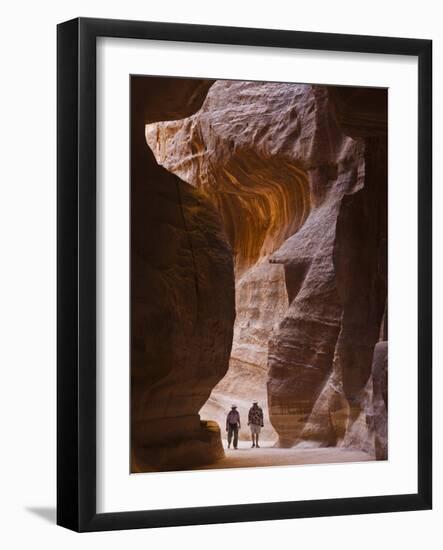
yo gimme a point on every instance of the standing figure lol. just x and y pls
(233, 425)
(255, 422)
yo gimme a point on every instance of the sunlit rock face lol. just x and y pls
(301, 192)
(182, 296)
(243, 162)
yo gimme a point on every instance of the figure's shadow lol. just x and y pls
(46, 513)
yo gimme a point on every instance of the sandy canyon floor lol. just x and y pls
(267, 455)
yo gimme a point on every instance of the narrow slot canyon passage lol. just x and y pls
(261, 203)
(264, 276)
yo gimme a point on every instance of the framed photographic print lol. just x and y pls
(244, 223)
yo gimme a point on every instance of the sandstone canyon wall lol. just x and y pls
(297, 175)
(182, 294)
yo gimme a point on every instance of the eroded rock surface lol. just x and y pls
(182, 296)
(298, 175)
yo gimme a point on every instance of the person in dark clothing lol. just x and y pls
(233, 425)
(255, 422)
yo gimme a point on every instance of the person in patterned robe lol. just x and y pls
(255, 422)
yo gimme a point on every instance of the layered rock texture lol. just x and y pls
(290, 181)
(182, 295)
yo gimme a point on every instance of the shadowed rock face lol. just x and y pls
(360, 259)
(298, 176)
(380, 400)
(182, 296)
(163, 98)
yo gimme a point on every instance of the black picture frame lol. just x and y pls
(76, 274)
